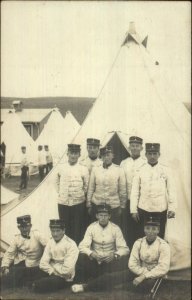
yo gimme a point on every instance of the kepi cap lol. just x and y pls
(24, 220)
(91, 141)
(57, 223)
(152, 147)
(135, 139)
(107, 149)
(103, 208)
(74, 147)
(151, 220)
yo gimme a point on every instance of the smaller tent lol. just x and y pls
(14, 135)
(7, 195)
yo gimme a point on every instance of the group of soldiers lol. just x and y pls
(107, 210)
(45, 164)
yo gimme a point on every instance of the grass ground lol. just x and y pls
(169, 290)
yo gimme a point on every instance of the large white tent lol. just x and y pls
(131, 101)
(14, 135)
(58, 132)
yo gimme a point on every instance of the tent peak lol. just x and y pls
(132, 29)
(132, 35)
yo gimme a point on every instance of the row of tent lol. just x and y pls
(135, 100)
(57, 133)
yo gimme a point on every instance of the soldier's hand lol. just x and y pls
(5, 271)
(135, 217)
(170, 214)
(89, 210)
(138, 280)
(95, 256)
(109, 258)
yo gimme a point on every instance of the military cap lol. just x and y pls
(74, 147)
(152, 147)
(153, 221)
(107, 149)
(58, 223)
(135, 139)
(103, 208)
(24, 220)
(46, 146)
(23, 147)
(91, 141)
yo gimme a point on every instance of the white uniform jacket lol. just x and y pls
(89, 163)
(24, 160)
(152, 260)
(23, 249)
(103, 240)
(107, 185)
(72, 183)
(60, 258)
(153, 189)
(130, 167)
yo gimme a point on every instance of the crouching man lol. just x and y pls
(149, 260)
(103, 248)
(20, 264)
(58, 260)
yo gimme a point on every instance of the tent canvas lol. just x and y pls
(131, 102)
(7, 195)
(14, 135)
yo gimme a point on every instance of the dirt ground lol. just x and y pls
(169, 290)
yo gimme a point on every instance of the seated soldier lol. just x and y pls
(21, 260)
(149, 260)
(58, 260)
(103, 248)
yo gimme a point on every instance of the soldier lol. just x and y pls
(21, 260)
(107, 185)
(24, 169)
(58, 260)
(103, 248)
(153, 191)
(41, 162)
(92, 160)
(149, 260)
(72, 183)
(49, 159)
(130, 166)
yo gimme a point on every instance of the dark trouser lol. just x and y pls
(50, 284)
(145, 214)
(75, 219)
(87, 268)
(109, 280)
(49, 166)
(42, 172)
(24, 177)
(115, 217)
(129, 226)
(19, 275)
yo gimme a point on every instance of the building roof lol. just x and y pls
(28, 115)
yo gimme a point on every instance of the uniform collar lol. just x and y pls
(108, 166)
(135, 158)
(153, 164)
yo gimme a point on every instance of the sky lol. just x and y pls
(63, 48)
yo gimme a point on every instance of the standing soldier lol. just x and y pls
(20, 262)
(107, 185)
(153, 191)
(49, 159)
(72, 183)
(92, 160)
(24, 169)
(41, 162)
(131, 165)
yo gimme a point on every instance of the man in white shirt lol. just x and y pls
(72, 183)
(131, 165)
(149, 260)
(24, 169)
(103, 248)
(153, 191)
(107, 185)
(21, 260)
(58, 260)
(42, 162)
(92, 160)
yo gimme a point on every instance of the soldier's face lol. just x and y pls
(25, 230)
(135, 149)
(73, 157)
(107, 158)
(152, 157)
(57, 233)
(103, 218)
(151, 232)
(23, 150)
(92, 151)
